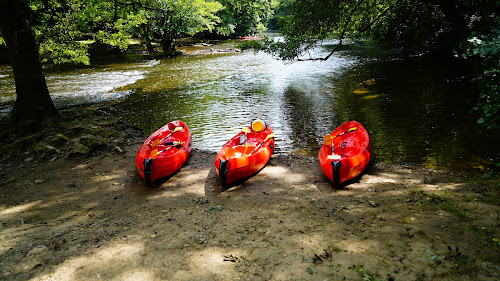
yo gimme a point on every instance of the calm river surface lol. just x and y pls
(416, 109)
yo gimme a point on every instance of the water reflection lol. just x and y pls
(418, 112)
(220, 93)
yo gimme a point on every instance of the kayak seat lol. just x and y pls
(237, 151)
(163, 143)
(337, 150)
(243, 139)
(351, 150)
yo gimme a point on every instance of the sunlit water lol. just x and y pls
(417, 110)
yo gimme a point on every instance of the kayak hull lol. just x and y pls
(352, 153)
(169, 161)
(233, 162)
(251, 37)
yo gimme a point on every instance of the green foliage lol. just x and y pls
(419, 25)
(307, 23)
(123, 30)
(242, 17)
(171, 19)
(64, 52)
(61, 27)
(57, 29)
(413, 25)
(280, 10)
(485, 50)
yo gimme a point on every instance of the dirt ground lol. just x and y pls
(93, 218)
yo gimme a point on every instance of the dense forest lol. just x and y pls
(63, 30)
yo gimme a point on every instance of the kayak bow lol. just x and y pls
(242, 157)
(164, 152)
(345, 153)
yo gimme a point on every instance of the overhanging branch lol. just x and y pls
(344, 29)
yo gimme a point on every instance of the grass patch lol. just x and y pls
(454, 210)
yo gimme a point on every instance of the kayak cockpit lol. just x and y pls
(239, 151)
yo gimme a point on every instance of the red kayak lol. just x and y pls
(164, 152)
(345, 153)
(251, 37)
(245, 154)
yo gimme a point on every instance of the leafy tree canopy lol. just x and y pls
(170, 19)
(63, 27)
(485, 52)
(242, 17)
(280, 9)
(416, 24)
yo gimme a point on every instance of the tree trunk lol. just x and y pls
(33, 101)
(147, 40)
(168, 44)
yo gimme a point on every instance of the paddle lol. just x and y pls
(268, 137)
(328, 138)
(155, 152)
(246, 147)
(157, 142)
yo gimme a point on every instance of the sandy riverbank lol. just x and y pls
(91, 217)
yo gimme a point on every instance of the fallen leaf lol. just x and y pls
(216, 208)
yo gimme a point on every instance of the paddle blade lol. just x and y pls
(246, 130)
(155, 143)
(328, 139)
(270, 136)
(154, 153)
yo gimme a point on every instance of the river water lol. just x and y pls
(416, 109)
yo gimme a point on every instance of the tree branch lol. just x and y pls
(342, 35)
(379, 16)
(344, 29)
